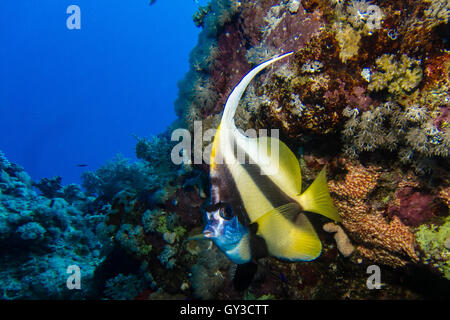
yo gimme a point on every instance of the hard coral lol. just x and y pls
(124, 287)
(390, 243)
(50, 188)
(358, 183)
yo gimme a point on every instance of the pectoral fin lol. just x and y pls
(289, 234)
(317, 198)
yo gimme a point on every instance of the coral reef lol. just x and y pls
(42, 235)
(366, 93)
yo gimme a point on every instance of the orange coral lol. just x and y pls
(408, 182)
(387, 242)
(371, 229)
(376, 254)
(358, 182)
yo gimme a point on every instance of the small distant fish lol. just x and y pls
(152, 2)
(81, 165)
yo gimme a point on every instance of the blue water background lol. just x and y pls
(70, 97)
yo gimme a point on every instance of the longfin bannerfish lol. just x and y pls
(263, 191)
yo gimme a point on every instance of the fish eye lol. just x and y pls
(227, 212)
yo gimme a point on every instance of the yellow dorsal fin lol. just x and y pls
(317, 198)
(288, 176)
(286, 239)
(214, 148)
(275, 161)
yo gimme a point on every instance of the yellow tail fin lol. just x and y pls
(317, 198)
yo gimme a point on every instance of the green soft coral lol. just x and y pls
(432, 241)
(179, 231)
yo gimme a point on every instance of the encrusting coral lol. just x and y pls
(391, 243)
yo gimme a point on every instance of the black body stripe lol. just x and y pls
(229, 193)
(268, 188)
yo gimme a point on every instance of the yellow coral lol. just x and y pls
(411, 79)
(386, 63)
(438, 12)
(377, 82)
(348, 40)
(399, 76)
(444, 194)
